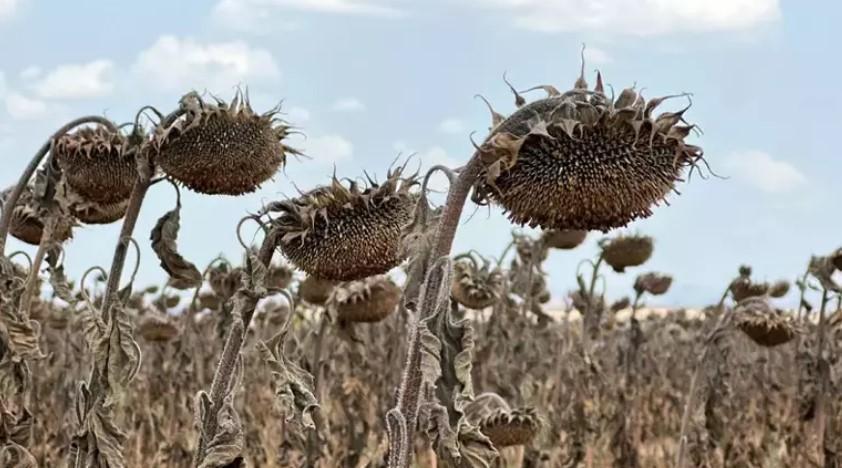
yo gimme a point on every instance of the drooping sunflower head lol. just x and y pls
(655, 284)
(564, 239)
(509, 428)
(221, 148)
(346, 233)
(476, 286)
(764, 324)
(315, 290)
(622, 252)
(366, 301)
(96, 164)
(582, 160)
(27, 224)
(157, 328)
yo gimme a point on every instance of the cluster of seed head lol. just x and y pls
(96, 165)
(476, 287)
(220, 148)
(564, 239)
(347, 233)
(627, 251)
(764, 324)
(369, 300)
(743, 287)
(582, 160)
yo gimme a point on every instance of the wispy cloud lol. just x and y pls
(638, 17)
(452, 126)
(328, 149)
(8, 8)
(761, 171)
(174, 63)
(75, 81)
(21, 107)
(350, 104)
(254, 14)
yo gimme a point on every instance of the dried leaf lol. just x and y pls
(294, 386)
(226, 447)
(183, 274)
(58, 280)
(13, 455)
(118, 354)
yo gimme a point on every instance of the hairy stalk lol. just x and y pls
(402, 419)
(9, 205)
(824, 374)
(721, 325)
(587, 314)
(233, 344)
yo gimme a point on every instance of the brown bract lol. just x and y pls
(765, 325)
(578, 160)
(26, 225)
(627, 251)
(366, 301)
(96, 164)
(476, 287)
(347, 233)
(564, 239)
(220, 148)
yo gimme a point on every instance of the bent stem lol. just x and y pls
(32, 280)
(9, 205)
(402, 419)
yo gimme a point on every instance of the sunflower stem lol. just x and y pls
(9, 204)
(402, 419)
(32, 279)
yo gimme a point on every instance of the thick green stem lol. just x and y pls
(12, 200)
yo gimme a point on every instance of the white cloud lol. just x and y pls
(350, 104)
(638, 17)
(8, 8)
(452, 125)
(77, 81)
(30, 73)
(241, 14)
(21, 107)
(176, 64)
(297, 115)
(328, 149)
(765, 173)
(596, 56)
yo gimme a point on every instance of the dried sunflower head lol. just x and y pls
(58, 318)
(655, 284)
(26, 224)
(765, 325)
(527, 247)
(779, 289)
(475, 286)
(157, 328)
(369, 300)
(564, 239)
(743, 288)
(220, 148)
(96, 164)
(508, 428)
(579, 160)
(315, 290)
(90, 211)
(347, 233)
(626, 251)
(225, 280)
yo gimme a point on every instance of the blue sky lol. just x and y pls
(367, 79)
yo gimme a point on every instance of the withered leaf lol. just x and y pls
(183, 274)
(13, 455)
(294, 386)
(118, 354)
(225, 449)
